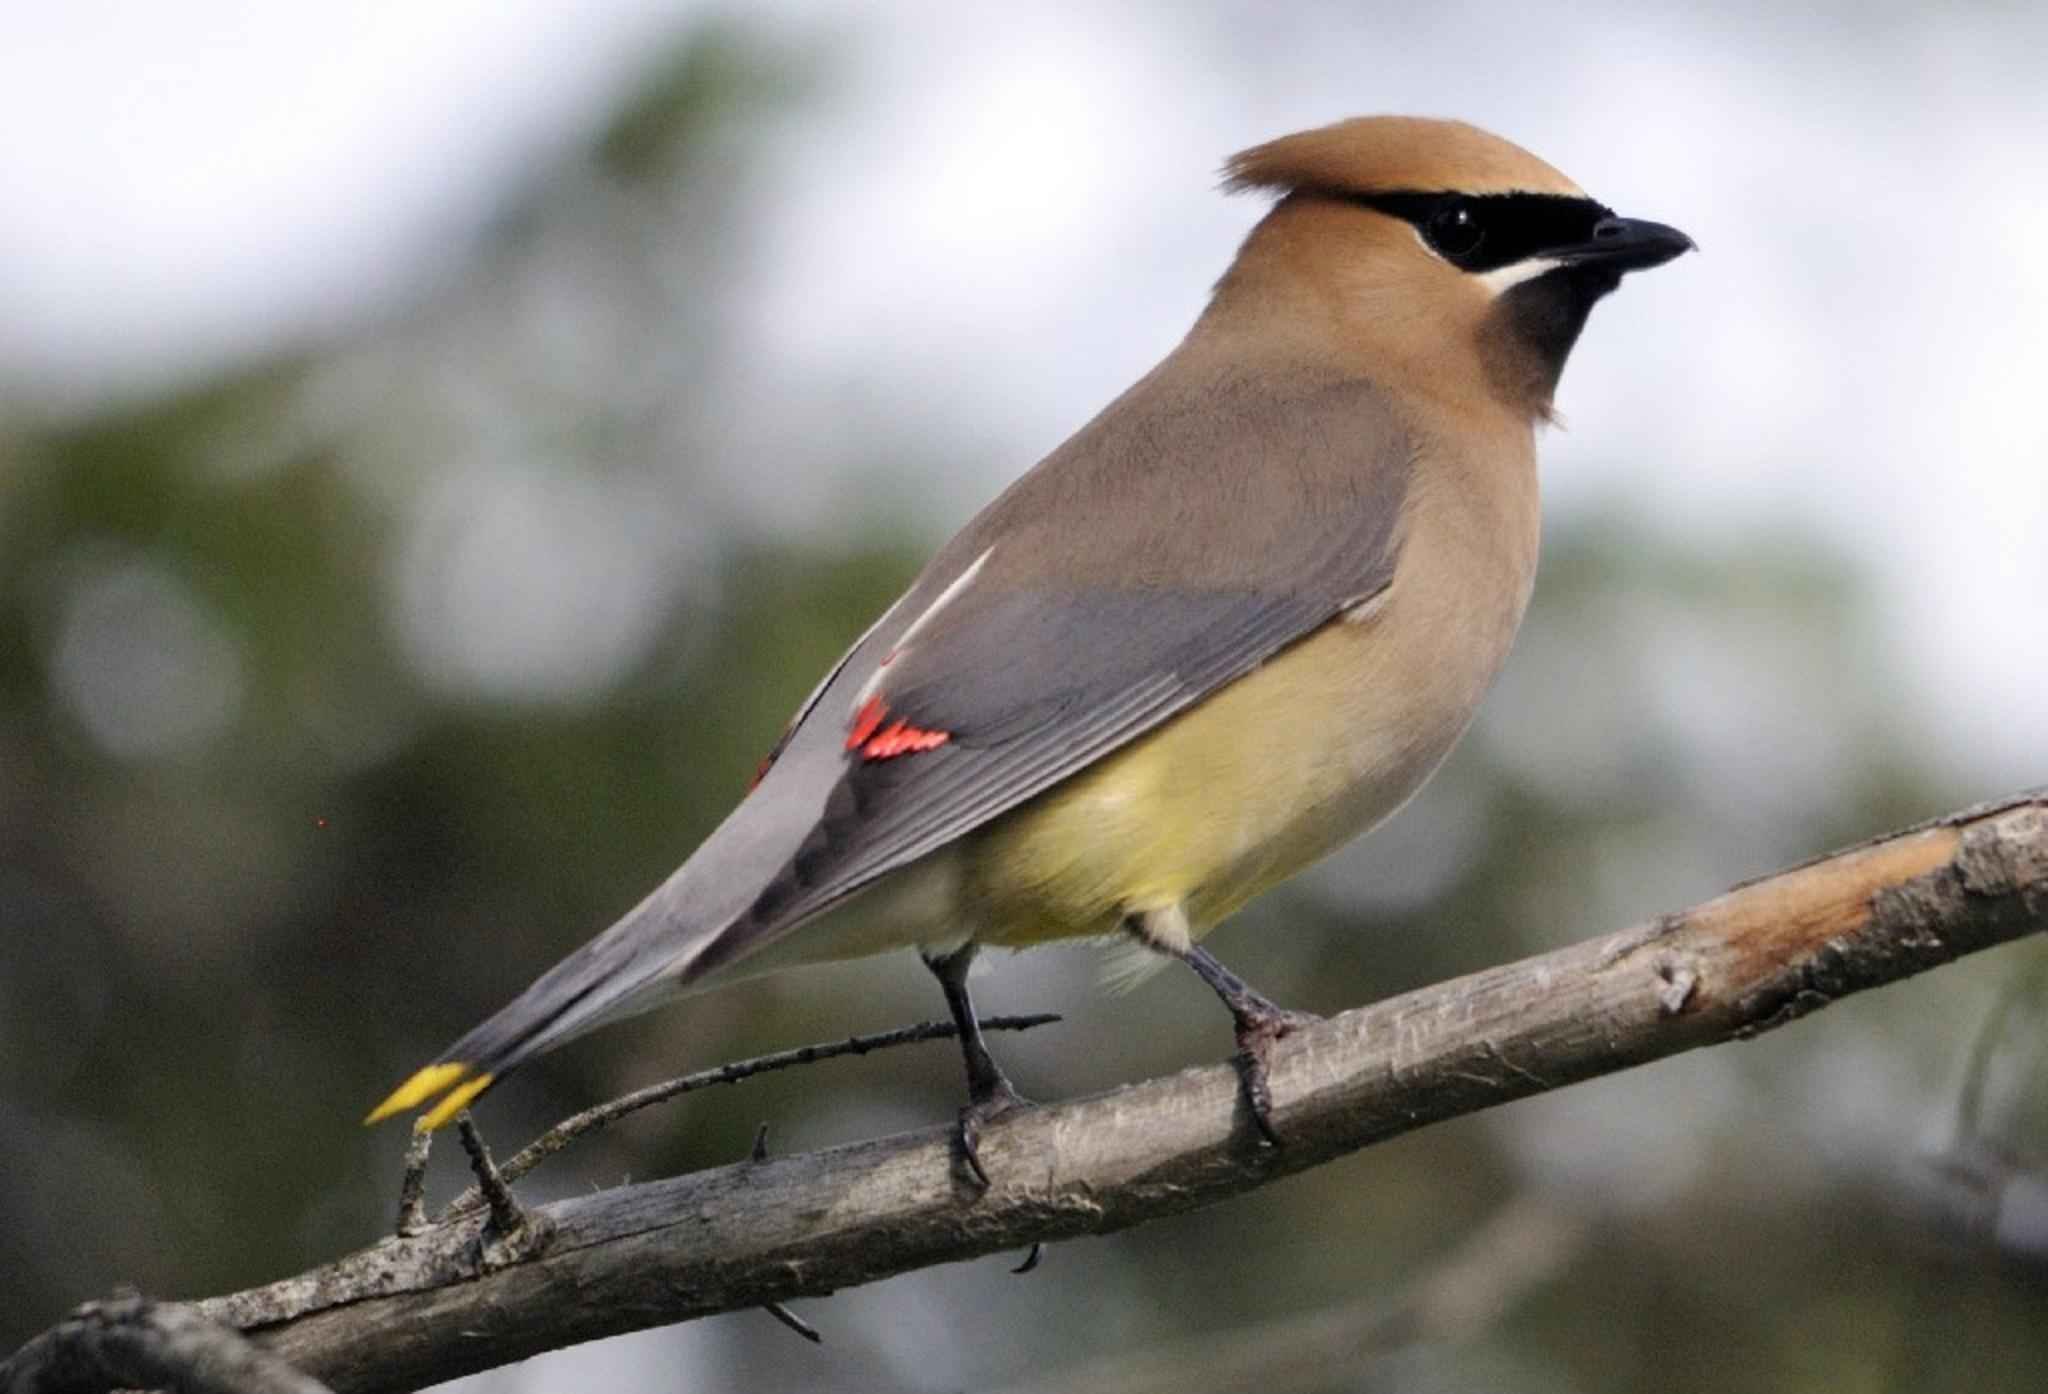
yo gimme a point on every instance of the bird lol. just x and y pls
(1236, 620)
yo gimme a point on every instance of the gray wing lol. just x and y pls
(1169, 548)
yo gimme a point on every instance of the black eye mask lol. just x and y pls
(1482, 232)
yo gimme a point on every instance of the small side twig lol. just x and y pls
(506, 1216)
(603, 1115)
(412, 1210)
(759, 1153)
(134, 1343)
(793, 1322)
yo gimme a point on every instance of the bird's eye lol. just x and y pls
(1454, 231)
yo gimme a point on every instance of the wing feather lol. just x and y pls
(1223, 527)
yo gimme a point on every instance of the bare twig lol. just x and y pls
(759, 1153)
(412, 1210)
(411, 1312)
(794, 1322)
(133, 1343)
(506, 1215)
(732, 1072)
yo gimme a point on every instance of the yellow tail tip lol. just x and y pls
(423, 1086)
(457, 1100)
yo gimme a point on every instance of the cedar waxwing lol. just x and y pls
(1235, 621)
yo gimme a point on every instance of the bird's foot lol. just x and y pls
(987, 1106)
(1259, 1025)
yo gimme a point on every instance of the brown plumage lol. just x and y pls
(1394, 154)
(1233, 622)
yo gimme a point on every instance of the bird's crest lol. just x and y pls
(1394, 154)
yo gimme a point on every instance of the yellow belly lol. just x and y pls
(1228, 799)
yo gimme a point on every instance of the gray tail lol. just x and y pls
(615, 975)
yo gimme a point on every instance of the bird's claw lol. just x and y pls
(986, 1108)
(1257, 1030)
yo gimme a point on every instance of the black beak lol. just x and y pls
(1626, 244)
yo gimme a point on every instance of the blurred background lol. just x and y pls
(439, 446)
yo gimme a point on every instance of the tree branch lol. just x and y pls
(134, 1343)
(602, 1115)
(461, 1297)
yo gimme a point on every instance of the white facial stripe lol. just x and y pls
(1503, 278)
(946, 597)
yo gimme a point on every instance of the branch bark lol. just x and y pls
(463, 1297)
(134, 1343)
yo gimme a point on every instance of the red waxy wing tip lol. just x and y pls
(875, 741)
(866, 722)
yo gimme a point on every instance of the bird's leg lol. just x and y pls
(989, 1093)
(1260, 1021)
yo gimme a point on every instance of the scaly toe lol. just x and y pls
(995, 1104)
(1255, 1038)
(1258, 1093)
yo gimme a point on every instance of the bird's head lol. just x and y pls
(1435, 250)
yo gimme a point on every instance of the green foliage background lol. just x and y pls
(220, 942)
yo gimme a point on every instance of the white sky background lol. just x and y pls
(996, 222)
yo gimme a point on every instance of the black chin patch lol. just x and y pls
(1548, 312)
(1537, 323)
